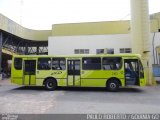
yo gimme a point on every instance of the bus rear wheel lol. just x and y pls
(113, 85)
(50, 84)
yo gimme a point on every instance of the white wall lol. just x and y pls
(67, 44)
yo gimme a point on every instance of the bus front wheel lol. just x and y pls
(113, 85)
(50, 84)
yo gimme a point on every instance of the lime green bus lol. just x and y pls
(106, 70)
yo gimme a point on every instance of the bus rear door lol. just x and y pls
(29, 76)
(73, 67)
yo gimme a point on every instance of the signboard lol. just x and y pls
(156, 70)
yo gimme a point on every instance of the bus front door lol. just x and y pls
(73, 73)
(29, 77)
(131, 71)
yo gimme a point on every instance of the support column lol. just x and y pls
(1, 38)
(140, 34)
(26, 49)
(37, 52)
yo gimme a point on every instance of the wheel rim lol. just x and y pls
(113, 85)
(50, 85)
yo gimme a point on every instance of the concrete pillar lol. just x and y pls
(140, 34)
(1, 38)
(37, 52)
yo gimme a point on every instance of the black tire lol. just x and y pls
(50, 84)
(113, 85)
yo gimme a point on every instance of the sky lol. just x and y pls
(41, 14)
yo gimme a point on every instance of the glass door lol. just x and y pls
(29, 72)
(73, 73)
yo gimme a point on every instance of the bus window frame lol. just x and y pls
(121, 63)
(44, 58)
(91, 58)
(59, 58)
(19, 63)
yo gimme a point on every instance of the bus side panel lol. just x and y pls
(93, 82)
(26, 80)
(39, 81)
(33, 82)
(16, 75)
(143, 81)
(92, 78)
(119, 74)
(59, 75)
(62, 82)
(41, 75)
(98, 78)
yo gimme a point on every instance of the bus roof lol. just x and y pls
(81, 55)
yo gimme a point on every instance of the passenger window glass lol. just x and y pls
(18, 63)
(44, 63)
(91, 63)
(77, 65)
(58, 64)
(112, 63)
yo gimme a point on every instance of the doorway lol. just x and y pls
(29, 72)
(73, 73)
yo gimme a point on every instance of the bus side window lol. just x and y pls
(111, 63)
(18, 63)
(44, 64)
(92, 63)
(58, 64)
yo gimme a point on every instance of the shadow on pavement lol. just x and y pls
(76, 89)
(25, 88)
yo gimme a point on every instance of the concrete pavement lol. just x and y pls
(19, 99)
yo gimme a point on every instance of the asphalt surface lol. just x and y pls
(20, 99)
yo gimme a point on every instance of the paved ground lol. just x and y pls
(18, 99)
